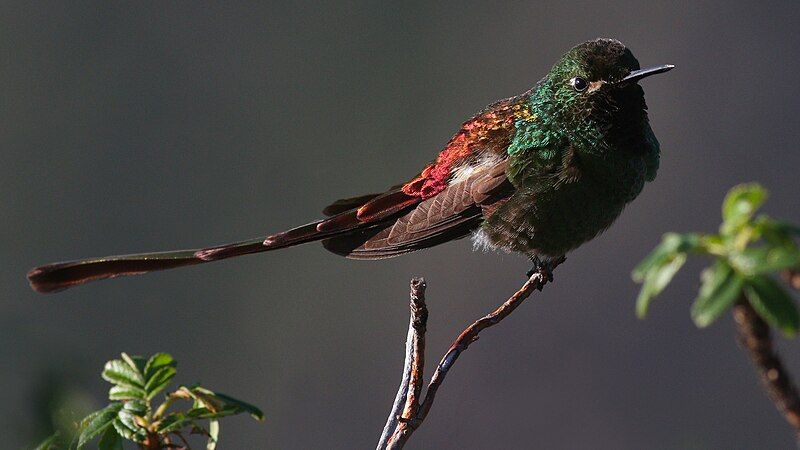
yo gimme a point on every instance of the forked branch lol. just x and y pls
(409, 411)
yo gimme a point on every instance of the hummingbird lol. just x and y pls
(537, 174)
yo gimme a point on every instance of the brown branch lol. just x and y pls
(413, 365)
(400, 427)
(753, 335)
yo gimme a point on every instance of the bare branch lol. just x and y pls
(753, 334)
(413, 365)
(400, 427)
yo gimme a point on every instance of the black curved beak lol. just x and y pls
(637, 75)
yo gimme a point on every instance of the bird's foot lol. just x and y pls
(544, 267)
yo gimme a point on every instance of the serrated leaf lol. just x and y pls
(158, 362)
(123, 429)
(110, 440)
(767, 259)
(720, 289)
(656, 280)
(126, 425)
(158, 380)
(99, 422)
(137, 362)
(773, 304)
(122, 373)
(123, 392)
(137, 407)
(741, 203)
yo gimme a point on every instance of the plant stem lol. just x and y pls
(753, 335)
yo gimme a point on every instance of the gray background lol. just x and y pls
(146, 127)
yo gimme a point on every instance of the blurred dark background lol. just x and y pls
(164, 125)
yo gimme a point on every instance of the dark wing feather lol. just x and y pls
(346, 204)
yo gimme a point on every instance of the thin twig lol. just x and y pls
(753, 334)
(415, 358)
(414, 411)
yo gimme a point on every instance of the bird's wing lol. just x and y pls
(488, 132)
(449, 215)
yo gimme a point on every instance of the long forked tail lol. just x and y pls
(60, 276)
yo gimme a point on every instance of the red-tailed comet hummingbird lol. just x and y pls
(537, 174)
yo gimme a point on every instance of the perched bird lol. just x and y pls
(537, 174)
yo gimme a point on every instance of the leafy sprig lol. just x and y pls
(130, 415)
(747, 252)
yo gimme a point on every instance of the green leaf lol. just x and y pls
(657, 258)
(223, 404)
(773, 303)
(780, 226)
(137, 362)
(173, 422)
(156, 363)
(767, 259)
(670, 244)
(121, 392)
(126, 425)
(720, 289)
(122, 373)
(241, 405)
(138, 407)
(98, 423)
(713, 244)
(740, 204)
(776, 232)
(656, 280)
(202, 412)
(159, 380)
(110, 440)
(123, 429)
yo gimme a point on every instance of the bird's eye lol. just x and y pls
(579, 84)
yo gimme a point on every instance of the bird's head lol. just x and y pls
(594, 88)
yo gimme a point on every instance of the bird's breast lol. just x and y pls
(554, 220)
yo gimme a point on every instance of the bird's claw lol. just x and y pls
(543, 268)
